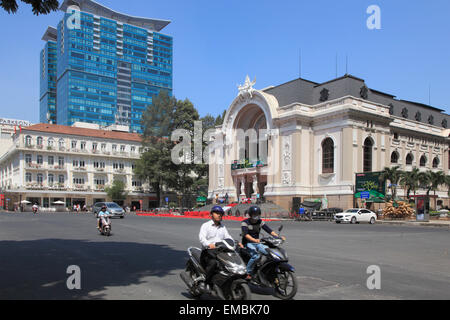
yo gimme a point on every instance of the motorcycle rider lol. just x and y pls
(251, 228)
(212, 232)
(35, 207)
(100, 217)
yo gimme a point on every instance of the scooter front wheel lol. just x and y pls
(286, 285)
(240, 291)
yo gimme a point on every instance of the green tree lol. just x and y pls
(410, 180)
(436, 179)
(39, 6)
(154, 165)
(393, 175)
(116, 191)
(220, 118)
(184, 118)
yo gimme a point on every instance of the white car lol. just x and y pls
(355, 216)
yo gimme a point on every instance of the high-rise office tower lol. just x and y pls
(109, 65)
(47, 96)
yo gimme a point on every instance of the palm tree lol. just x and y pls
(431, 180)
(410, 179)
(393, 175)
(447, 184)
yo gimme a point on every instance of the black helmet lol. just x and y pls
(217, 209)
(254, 211)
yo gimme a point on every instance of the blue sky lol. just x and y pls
(217, 43)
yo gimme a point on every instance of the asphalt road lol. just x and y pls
(144, 256)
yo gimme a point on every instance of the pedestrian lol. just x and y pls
(226, 198)
(217, 198)
(74, 208)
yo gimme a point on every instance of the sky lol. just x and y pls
(217, 43)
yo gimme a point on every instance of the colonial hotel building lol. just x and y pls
(319, 136)
(46, 163)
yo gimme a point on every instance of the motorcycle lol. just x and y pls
(35, 209)
(272, 270)
(229, 281)
(105, 225)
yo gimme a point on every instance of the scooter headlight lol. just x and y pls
(236, 268)
(275, 255)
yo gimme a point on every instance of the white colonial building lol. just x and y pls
(317, 137)
(9, 127)
(47, 163)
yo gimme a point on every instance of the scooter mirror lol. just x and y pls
(280, 228)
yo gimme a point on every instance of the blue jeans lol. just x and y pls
(255, 250)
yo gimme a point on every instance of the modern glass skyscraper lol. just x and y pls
(109, 65)
(47, 96)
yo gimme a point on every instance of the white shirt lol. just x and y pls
(210, 233)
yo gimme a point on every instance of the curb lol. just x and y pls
(414, 223)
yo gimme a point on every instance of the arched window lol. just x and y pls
(423, 161)
(409, 159)
(394, 157)
(367, 161)
(61, 143)
(40, 178)
(435, 162)
(28, 140)
(328, 156)
(39, 141)
(50, 179)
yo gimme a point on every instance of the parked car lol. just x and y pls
(112, 207)
(356, 215)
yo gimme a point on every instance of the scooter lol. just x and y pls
(229, 281)
(272, 270)
(35, 210)
(105, 225)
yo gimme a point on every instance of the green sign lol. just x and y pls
(370, 182)
(201, 199)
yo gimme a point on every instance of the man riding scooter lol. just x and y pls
(251, 228)
(212, 232)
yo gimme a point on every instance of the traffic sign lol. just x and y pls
(365, 195)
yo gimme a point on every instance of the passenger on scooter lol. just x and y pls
(100, 217)
(212, 232)
(251, 228)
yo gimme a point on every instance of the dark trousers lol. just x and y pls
(208, 259)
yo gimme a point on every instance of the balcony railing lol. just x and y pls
(31, 165)
(79, 168)
(80, 187)
(100, 187)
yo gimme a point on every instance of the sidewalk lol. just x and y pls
(431, 223)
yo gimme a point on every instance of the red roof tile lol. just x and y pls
(75, 131)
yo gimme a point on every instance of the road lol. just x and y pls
(144, 256)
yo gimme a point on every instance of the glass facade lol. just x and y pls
(108, 71)
(47, 92)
